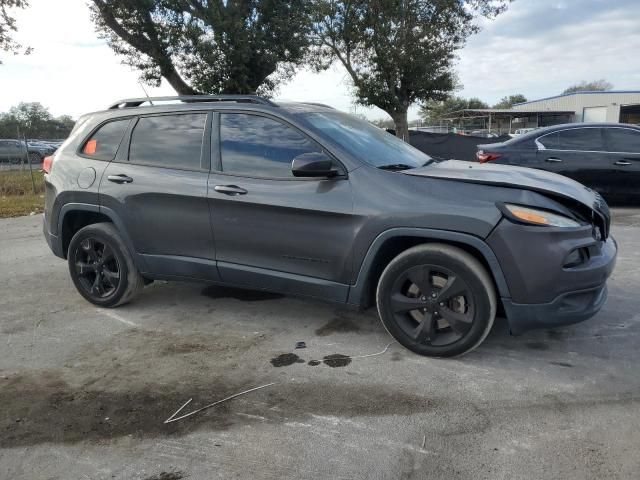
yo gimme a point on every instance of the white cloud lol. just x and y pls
(536, 48)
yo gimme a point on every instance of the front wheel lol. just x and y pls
(101, 266)
(436, 300)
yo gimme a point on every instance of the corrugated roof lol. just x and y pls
(476, 112)
(589, 92)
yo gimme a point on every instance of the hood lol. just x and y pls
(512, 177)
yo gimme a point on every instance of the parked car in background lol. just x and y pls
(483, 134)
(42, 148)
(603, 156)
(305, 200)
(12, 151)
(522, 131)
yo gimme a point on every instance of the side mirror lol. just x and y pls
(313, 164)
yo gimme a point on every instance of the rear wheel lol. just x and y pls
(436, 300)
(101, 266)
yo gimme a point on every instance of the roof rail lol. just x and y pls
(136, 102)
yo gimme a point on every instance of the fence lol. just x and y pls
(450, 146)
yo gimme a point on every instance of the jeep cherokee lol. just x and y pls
(302, 199)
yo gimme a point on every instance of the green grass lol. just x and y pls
(16, 193)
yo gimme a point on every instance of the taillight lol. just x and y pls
(46, 164)
(484, 157)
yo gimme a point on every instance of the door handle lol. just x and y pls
(230, 189)
(119, 178)
(554, 160)
(622, 163)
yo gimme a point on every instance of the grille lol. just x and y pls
(601, 216)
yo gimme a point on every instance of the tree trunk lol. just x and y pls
(175, 80)
(401, 124)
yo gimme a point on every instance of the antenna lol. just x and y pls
(145, 92)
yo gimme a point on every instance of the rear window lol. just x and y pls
(172, 141)
(104, 142)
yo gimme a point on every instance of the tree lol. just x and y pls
(509, 101)
(396, 52)
(8, 26)
(207, 46)
(433, 111)
(595, 86)
(34, 121)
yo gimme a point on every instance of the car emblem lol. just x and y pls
(596, 234)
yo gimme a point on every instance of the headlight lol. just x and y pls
(540, 217)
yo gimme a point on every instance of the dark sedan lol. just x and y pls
(602, 156)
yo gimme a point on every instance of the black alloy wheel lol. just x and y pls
(97, 268)
(437, 300)
(102, 267)
(432, 305)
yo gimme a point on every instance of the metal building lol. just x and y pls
(611, 106)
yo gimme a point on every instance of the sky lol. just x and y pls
(537, 48)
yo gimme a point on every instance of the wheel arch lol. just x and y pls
(74, 216)
(390, 243)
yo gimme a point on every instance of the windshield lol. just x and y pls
(367, 142)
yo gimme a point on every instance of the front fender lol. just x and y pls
(358, 291)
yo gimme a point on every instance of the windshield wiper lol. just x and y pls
(396, 166)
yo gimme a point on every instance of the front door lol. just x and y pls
(292, 234)
(157, 186)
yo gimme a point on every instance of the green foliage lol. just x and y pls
(8, 26)
(433, 111)
(396, 52)
(34, 121)
(595, 86)
(207, 46)
(509, 101)
(16, 193)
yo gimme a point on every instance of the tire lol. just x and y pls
(102, 267)
(35, 158)
(436, 300)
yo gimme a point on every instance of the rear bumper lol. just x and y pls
(568, 308)
(54, 242)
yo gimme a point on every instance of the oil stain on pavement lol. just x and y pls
(285, 360)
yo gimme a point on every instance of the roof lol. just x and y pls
(182, 100)
(567, 126)
(482, 112)
(584, 92)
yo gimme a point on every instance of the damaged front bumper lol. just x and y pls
(545, 290)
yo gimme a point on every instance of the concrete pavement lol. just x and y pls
(84, 391)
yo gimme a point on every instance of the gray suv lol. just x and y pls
(301, 199)
(12, 151)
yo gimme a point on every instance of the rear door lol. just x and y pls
(271, 228)
(623, 145)
(157, 186)
(577, 153)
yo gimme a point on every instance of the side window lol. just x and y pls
(104, 142)
(173, 141)
(623, 140)
(550, 141)
(251, 145)
(581, 139)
